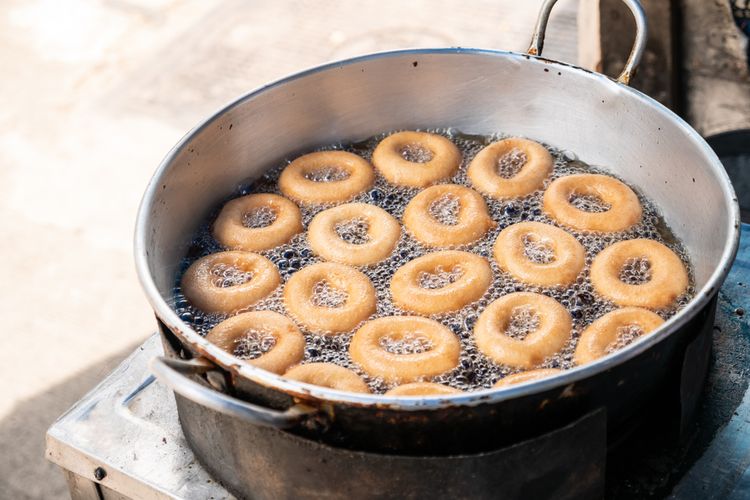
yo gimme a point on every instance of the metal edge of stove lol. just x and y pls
(124, 409)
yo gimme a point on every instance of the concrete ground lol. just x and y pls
(92, 96)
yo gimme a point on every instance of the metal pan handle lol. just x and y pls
(639, 45)
(172, 372)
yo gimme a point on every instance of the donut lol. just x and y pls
(393, 158)
(602, 336)
(382, 234)
(491, 171)
(351, 298)
(226, 282)
(288, 343)
(440, 282)
(539, 254)
(422, 389)
(328, 375)
(549, 332)
(527, 376)
(471, 221)
(234, 229)
(668, 276)
(624, 208)
(437, 353)
(326, 177)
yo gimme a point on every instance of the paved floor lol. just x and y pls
(92, 95)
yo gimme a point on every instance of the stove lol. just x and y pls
(124, 440)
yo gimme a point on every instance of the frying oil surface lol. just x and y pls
(474, 371)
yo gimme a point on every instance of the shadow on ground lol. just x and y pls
(24, 471)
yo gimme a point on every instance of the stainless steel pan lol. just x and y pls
(475, 91)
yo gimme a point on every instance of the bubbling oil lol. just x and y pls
(474, 370)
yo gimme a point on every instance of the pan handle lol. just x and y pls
(639, 45)
(172, 373)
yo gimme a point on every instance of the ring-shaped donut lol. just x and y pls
(625, 209)
(383, 232)
(230, 230)
(296, 180)
(289, 346)
(483, 169)
(328, 375)
(472, 277)
(527, 376)
(602, 333)
(388, 158)
(550, 335)
(368, 351)
(204, 287)
(472, 219)
(358, 303)
(668, 280)
(422, 389)
(510, 251)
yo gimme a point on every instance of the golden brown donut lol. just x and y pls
(601, 336)
(422, 389)
(527, 376)
(383, 232)
(511, 254)
(226, 282)
(388, 158)
(483, 169)
(289, 343)
(465, 276)
(369, 348)
(669, 278)
(230, 229)
(625, 209)
(472, 220)
(550, 335)
(297, 181)
(356, 293)
(328, 375)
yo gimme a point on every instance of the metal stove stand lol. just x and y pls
(123, 439)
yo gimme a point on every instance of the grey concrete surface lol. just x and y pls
(93, 94)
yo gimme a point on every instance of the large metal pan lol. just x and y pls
(475, 91)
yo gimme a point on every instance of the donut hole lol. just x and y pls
(509, 164)
(626, 335)
(408, 343)
(588, 202)
(636, 271)
(227, 275)
(354, 231)
(416, 153)
(522, 321)
(259, 217)
(439, 278)
(326, 295)
(327, 173)
(253, 344)
(538, 250)
(445, 209)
